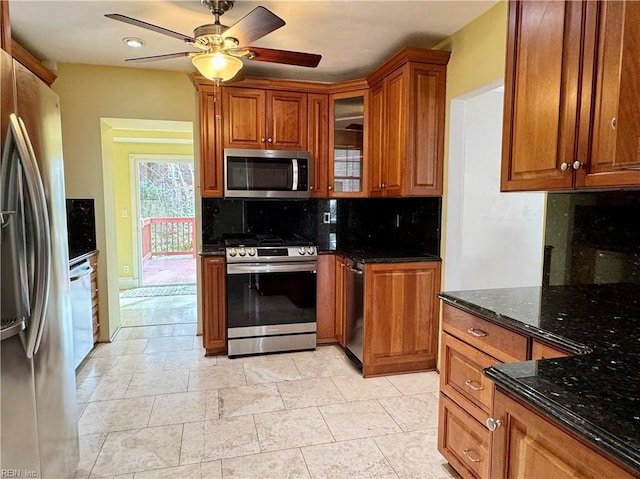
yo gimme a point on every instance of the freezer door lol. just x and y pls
(40, 392)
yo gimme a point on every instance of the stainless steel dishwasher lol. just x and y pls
(354, 309)
(81, 307)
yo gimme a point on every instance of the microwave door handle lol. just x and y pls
(39, 215)
(294, 186)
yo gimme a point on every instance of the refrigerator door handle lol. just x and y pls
(40, 227)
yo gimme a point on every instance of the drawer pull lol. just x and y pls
(478, 333)
(469, 384)
(469, 456)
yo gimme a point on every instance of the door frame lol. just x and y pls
(134, 160)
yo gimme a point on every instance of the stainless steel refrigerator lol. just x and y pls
(38, 427)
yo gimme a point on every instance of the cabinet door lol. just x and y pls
(326, 299)
(286, 120)
(243, 112)
(544, 351)
(541, 91)
(401, 317)
(211, 183)
(527, 445)
(376, 123)
(395, 156)
(318, 141)
(348, 144)
(425, 131)
(616, 125)
(341, 305)
(214, 305)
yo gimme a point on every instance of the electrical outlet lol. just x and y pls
(125, 213)
(125, 268)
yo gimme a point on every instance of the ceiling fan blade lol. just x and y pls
(283, 56)
(255, 24)
(150, 26)
(153, 58)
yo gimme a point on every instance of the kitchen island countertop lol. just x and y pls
(595, 392)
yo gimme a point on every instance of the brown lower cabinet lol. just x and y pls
(214, 309)
(95, 313)
(528, 445)
(327, 330)
(400, 317)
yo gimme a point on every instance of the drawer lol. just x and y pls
(544, 351)
(463, 441)
(499, 342)
(461, 376)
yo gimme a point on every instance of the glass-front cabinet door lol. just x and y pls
(348, 144)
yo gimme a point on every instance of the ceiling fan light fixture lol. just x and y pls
(217, 66)
(134, 42)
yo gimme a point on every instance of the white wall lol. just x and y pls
(493, 239)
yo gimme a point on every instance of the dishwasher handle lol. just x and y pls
(80, 271)
(353, 270)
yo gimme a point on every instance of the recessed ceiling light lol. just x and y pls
(133, 42)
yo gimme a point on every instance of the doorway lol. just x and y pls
(165, 218)
(491, 237)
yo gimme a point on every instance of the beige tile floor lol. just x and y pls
(150, 405)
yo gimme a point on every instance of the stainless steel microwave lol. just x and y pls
(266, 173)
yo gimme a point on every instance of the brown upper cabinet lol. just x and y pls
(318, 143)
(254, 118)
(347, 140)
(406, 121)
(571, 81)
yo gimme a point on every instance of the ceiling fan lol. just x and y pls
(222, 47)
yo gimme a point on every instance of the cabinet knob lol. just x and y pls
(493, 424)
(270, 140)
(384, 185)
(614, 122)
(263, 140)
(564, 166)
(330, 187)
(576, 165)
(310, 187)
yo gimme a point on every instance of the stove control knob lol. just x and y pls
(242, 252)
(252, 252)
(311, 250)
(302, 251)
(232, 252)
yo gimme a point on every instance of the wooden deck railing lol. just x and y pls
(168, 236)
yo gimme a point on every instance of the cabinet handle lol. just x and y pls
(469, 456)
(469, 384)
(310, 187)
(330, 187)
(564, 166)
(263, 140)
(576, 165)
(384, 185)
(493, 424)
(614, 122)
(478, 333)
(270, 140)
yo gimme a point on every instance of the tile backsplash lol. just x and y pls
(408, 224)
(592, 238)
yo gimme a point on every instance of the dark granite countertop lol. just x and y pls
(76, 257)
(595, 393)
(216, 249)
(382, 255)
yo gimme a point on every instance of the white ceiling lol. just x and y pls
(353, 37)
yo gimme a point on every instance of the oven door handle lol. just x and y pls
(271, 268)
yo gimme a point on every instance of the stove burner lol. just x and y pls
(240, 240)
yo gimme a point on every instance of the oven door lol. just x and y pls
(271, 307)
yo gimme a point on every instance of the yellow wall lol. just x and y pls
(477, 59)
(122, 178)
(87, 94)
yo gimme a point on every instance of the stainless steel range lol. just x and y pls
(271, 294)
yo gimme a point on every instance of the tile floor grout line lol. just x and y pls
(93, 463)
(390, 415)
